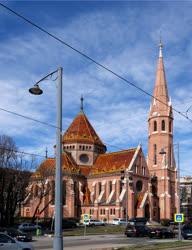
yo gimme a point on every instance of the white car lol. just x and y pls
(94, 222)
(119, 221)
(8, 243)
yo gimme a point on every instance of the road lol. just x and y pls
(93, 242)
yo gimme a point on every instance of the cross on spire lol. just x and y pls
(160, 46)
(82, 99)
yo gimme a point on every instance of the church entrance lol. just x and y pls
(147, 213)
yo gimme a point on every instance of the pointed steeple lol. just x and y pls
(160, 89)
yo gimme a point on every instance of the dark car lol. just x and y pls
(186, 231)
(17, 234)
(136, 230)
(161, 233)
(68, 224)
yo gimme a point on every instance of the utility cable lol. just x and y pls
(27, 117)
(21, 152)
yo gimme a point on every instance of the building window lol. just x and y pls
(155, 126)
(155, 154)
(170, 126)
(64, 193)
(143, 170)
(163, 125)
(136, 169)
(121, 185)
(170, 155)
(27, 212)
(99, 187)
(110, 186)
(53, 193)
(113, 210)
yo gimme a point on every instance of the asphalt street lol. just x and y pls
(94, 242)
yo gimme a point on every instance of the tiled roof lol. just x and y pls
(105, 163)
(81, 131)
(47, 167)
(112, 162)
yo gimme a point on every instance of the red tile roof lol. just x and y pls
(81, 131)
(105, 163)
(112, 162)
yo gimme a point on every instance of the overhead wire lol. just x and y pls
(90, 59)
(26, 117)
(20, 152)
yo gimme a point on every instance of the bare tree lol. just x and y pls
(41, 189)
(14, 178)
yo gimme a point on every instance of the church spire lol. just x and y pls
(160, 89)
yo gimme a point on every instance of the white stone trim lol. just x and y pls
(122, 194)
(110, 196)
(144, 199)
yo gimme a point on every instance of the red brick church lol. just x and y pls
(105, 184)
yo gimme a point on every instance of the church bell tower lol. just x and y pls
(161, 160)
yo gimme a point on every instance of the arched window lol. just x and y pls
(155, 126)
(170, 126)
(170, 155)
(155, 154)
(163, 125)
(64, 193)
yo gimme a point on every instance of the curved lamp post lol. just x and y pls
(36, 90)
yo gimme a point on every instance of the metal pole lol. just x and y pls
(178, 175)
(127, 180)
(58, 237)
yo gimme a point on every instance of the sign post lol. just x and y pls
(179, 218)
(86, 218)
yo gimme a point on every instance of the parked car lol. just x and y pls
(94, 222)
(28, 227)
(119, 221)
(138, 221)
(17, 234)
(161, 233)
(136, 231)
(8, 243)
(68, 224)
(186, 231)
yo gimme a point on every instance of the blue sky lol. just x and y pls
(121, 35)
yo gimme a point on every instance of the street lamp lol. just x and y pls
(36, 90)
(162, 152)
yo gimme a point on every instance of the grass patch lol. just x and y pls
(157, 246)
(109, 229)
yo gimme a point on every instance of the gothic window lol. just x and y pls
(64, 193)
(155, 126)
(143, 170)
(53, 193)
(155, 154)
(121, 185)
(99, 187)
(110, 186)
(170, 155)
(136, 169)
(170, 125)
(163, 125)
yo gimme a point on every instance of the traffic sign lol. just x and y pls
(86, 218)
(178, 217)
